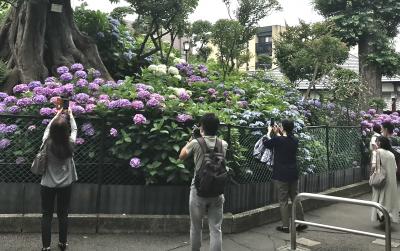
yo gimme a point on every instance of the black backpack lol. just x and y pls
(211, 177)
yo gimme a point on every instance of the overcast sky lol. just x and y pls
(212, 10)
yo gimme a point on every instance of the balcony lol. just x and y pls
(264, 48)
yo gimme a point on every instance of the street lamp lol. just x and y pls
(186, 48)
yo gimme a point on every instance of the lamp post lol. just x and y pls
(186, 48)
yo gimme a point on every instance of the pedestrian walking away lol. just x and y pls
(206, 192)
(58, 177)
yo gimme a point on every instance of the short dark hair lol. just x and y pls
(388, 126)
(288, 125)
(377, 128)
(384, 143)
(210, 124)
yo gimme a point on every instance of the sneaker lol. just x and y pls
(46, 249)
(62, 246)
(283, 229)
(301, 227)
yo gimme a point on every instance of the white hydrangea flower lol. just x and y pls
(179, 61)
(179, 77)
(162, 67)
(173, 70)
(152, 67)
(172, 55)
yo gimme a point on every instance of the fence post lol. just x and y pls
(100, 169)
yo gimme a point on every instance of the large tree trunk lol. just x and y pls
(34, 41)
(369, 72)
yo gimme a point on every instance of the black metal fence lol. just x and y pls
(328, 157)
(322, 149)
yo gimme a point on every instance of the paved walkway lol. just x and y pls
(260, 238)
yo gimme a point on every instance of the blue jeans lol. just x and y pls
(213, 208)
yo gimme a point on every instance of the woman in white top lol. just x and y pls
(388, 195)
(58, 177)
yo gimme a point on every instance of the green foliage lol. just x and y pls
(201, 34)
(373, 23)
(226, 35)
(265, 61)
(4, 8)
(346, 89)
(377, 103)
(309, 51)
(90, 22)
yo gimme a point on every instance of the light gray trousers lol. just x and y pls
(213, 209)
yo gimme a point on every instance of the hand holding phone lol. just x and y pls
(65, 103)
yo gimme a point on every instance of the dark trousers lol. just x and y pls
(63, 198)
(288, 190)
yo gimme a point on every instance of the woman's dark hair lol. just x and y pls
(210, 124)
(59, 143)
(384, 143)
(288, 126)
(377, 128)
(388, 126)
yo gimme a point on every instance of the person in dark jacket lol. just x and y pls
(285, 172)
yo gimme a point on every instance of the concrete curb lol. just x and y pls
(107, 223)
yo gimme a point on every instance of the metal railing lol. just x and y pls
(378, 206)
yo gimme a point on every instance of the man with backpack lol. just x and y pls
(210, 176)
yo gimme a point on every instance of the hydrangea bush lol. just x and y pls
(150, 118)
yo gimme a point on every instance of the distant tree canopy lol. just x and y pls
(308, 52)
(371, 25)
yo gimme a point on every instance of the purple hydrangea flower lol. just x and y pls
(144, 87)
(104, 102)
(90, 108)
(99, 81)
(68, 89)
(20, 88)
(4, 143)
(183, 118)
(39, 91)
(20, 160)
(243, 104)
(226, 94)
(50, 79)
(201, 99)
(94, 87)
(14, 109)
(137, 105)
(372, 111)
(211, 91)
(32, 85)
(31, 128)
(81, 98)
(104, 97)
(113, 132)
(62, 70)
(24, 102)
(157, 96)
(46, 111)
(81, 74)
(79, 141)
(139, 119)
(81, 83)
(2, 107)
(3, 95)
(88, 129)
(77, 67)
(111, 84)
(66, 77)
(52, 85)
(96, 74)
(183, 95)
(120, 103)
(135, 162)
(153, 103)
(56, 91)
(3, 128)
(143, 94)
(10, 129)
(77, 109)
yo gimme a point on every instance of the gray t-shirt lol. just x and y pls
(193, 148)
(60, 173)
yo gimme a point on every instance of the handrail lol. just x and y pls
(378, 206)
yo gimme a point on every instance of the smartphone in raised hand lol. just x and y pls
(65, 103)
